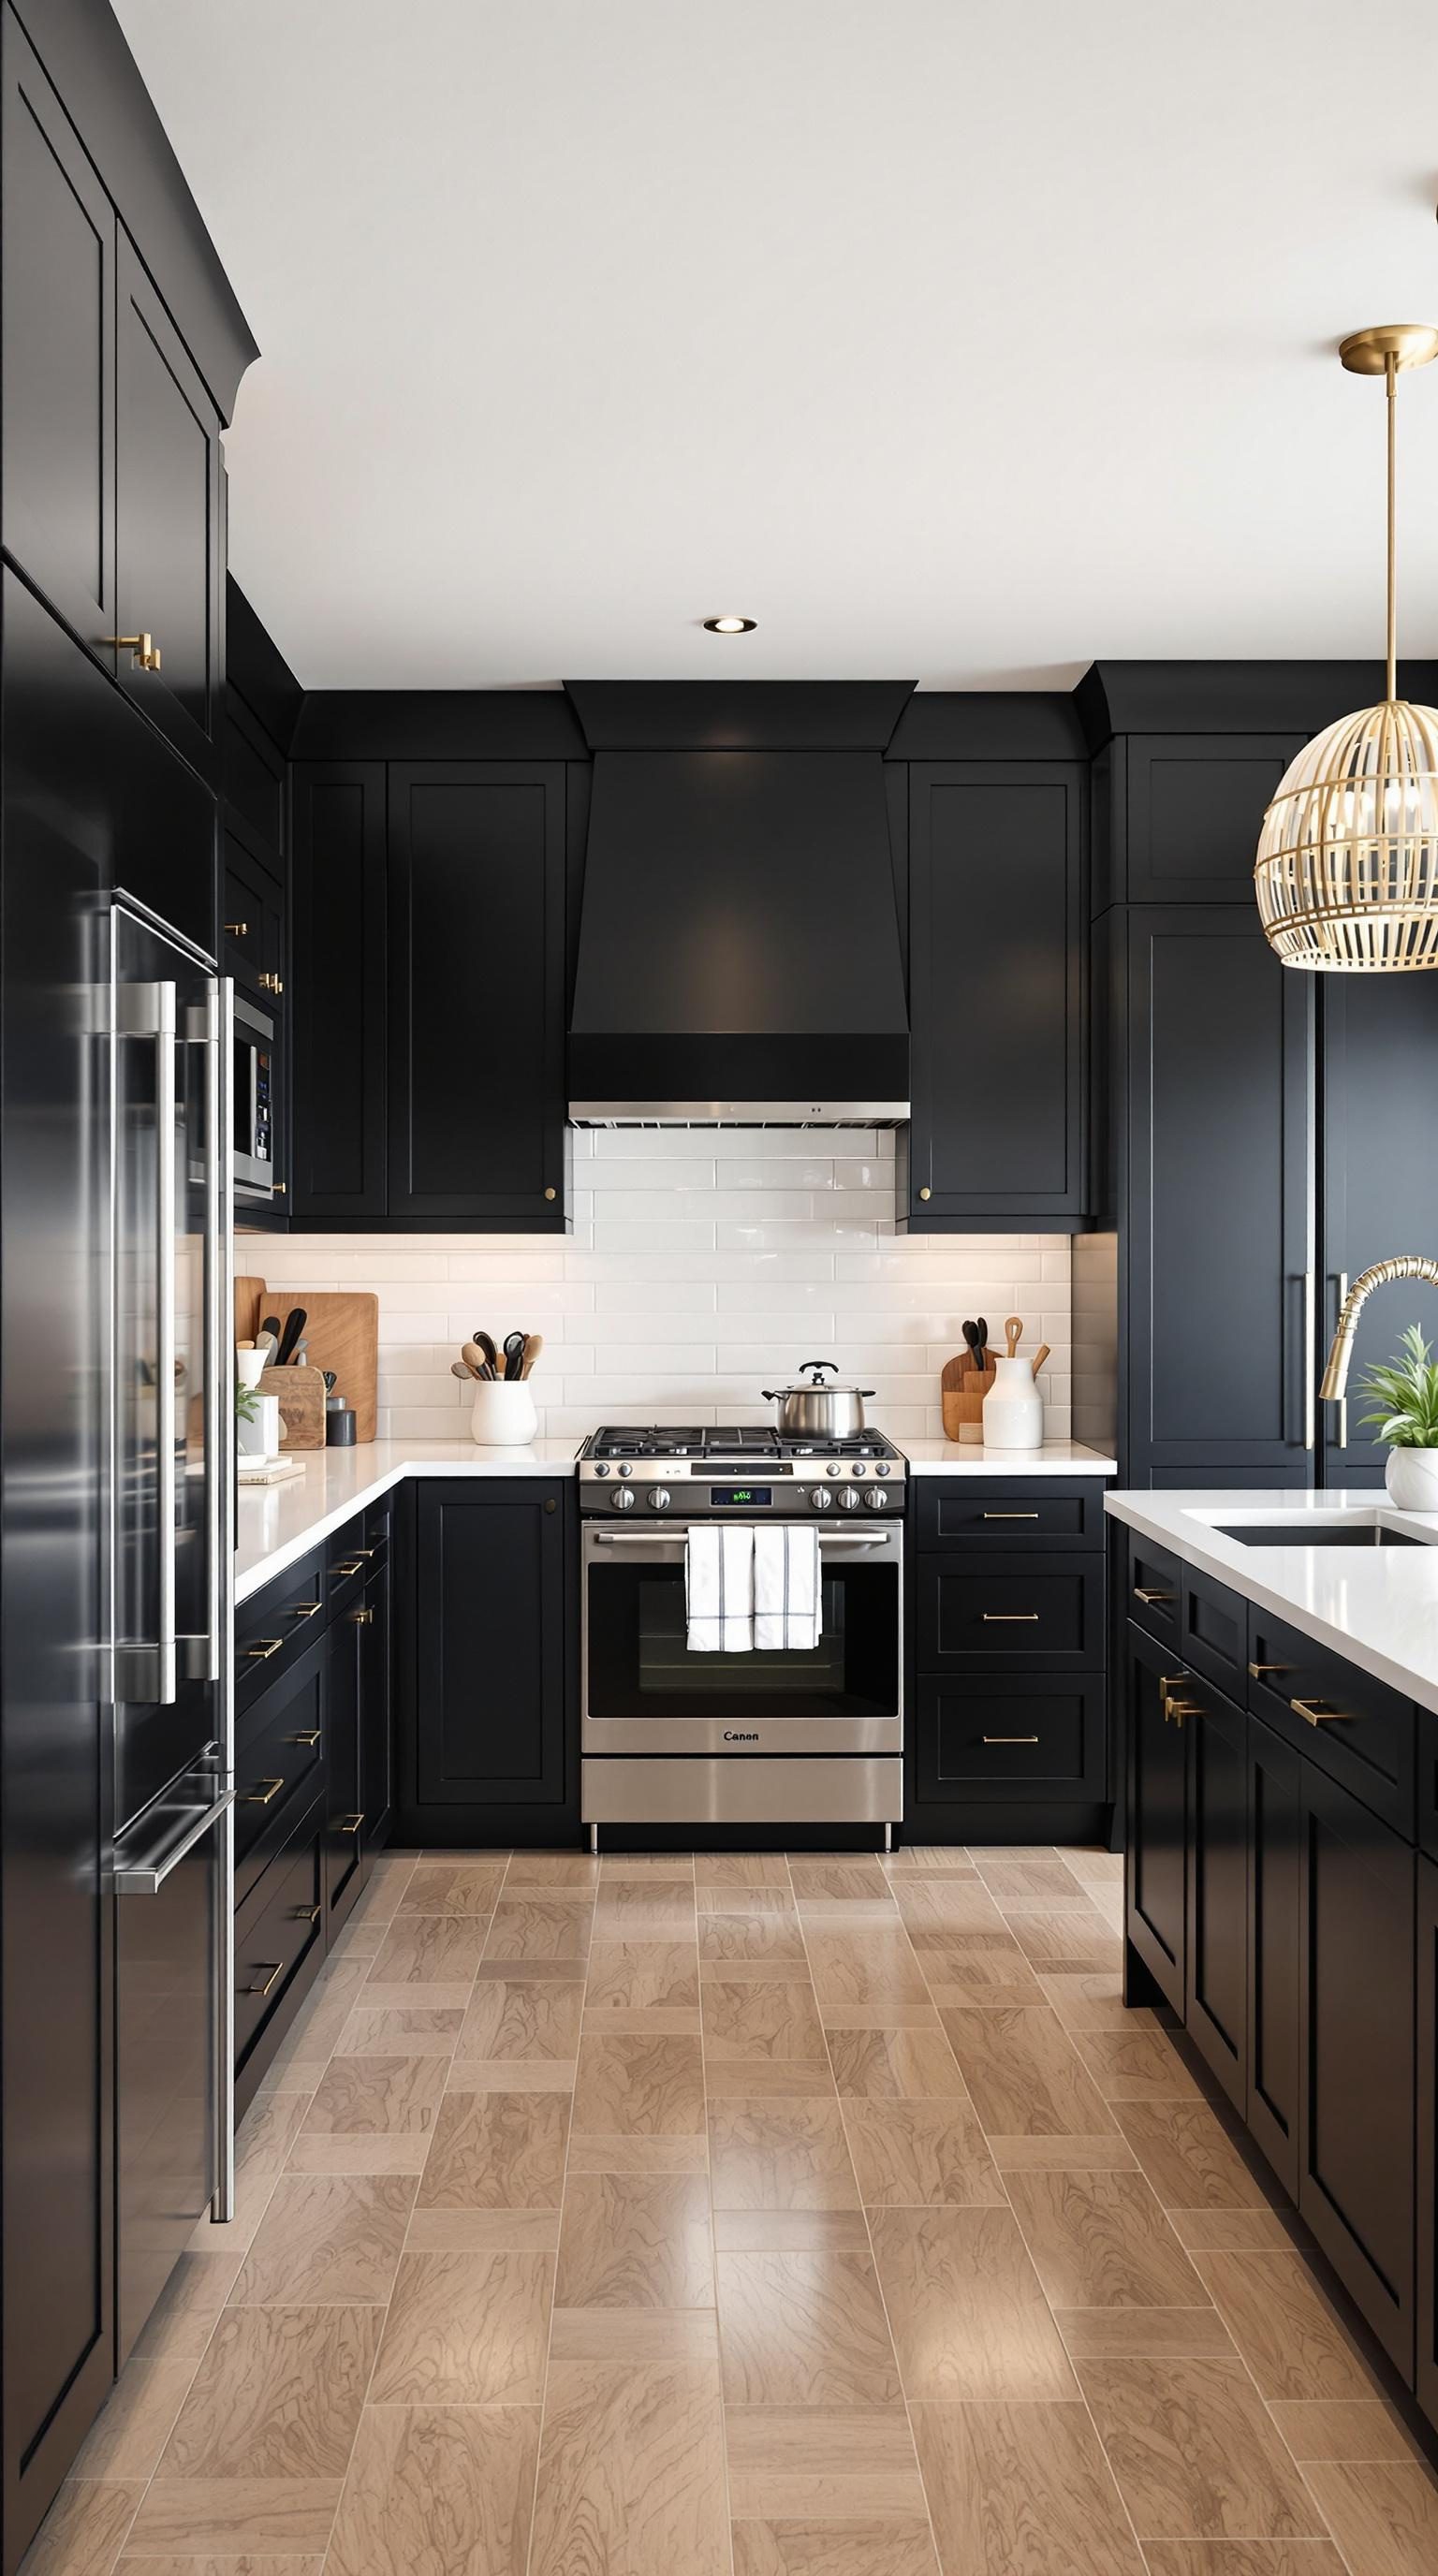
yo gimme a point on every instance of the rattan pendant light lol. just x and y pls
(1347, 870)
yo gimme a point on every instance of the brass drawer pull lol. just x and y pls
(365, 1552)
(266, 1647)
(144, 652)
(1150, 1596)
(1010, 1618)
(311, 1735)
(1319, 1712)
(307, 1914)
(272, 983)
(306, 1609)
(276, 1968)
(1009, 1739)
(237, 930)
(350, 1824)
(363, 1618)
(1256, 1672)
(1011, 1516)
(268, 1790)
(352, 1567)
(1176, 1710)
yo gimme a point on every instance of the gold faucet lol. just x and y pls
(1404, 1265)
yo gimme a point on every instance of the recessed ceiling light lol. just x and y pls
(730, 625)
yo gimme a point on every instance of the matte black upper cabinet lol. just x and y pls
(1378, 1193)
(169, 527)
(476, 982)
(338, 1007)
(1179, 814)
(997, 948)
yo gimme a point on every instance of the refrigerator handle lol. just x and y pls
(220, 1490)
(165, 1414)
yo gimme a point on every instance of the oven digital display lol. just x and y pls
(746, 1498)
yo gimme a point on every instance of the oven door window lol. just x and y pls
(641, 1666)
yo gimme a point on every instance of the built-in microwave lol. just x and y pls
(254, 1087)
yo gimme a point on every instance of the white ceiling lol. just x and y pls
(946, 339)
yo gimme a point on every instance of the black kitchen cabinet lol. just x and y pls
(338, 1005)
(1356, 1984)
(485, 1752)
(1156, 1877)
(989, 1613)
(1426, 2373)
(1275, 1932)
(252, 916)
(1006, 1739)
(998, 976)
(375, 1630)
(1217, 1241)
(1216, 1936)
(1190, 809)
(1379, 1180)
(344, 1815)
(169, 527)
(476, 989)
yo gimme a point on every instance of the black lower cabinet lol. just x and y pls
(484, 1751)
(1275, 1932)
(1156, 1867)
(1216, 1931)
(344, 1815)
(1426, 2374)
(376, 1704)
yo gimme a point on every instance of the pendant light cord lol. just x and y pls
(1390, 370)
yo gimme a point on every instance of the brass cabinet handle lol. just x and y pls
(1176, 1710)
(1010, 1618)
(364, 1551)
(926, 1193)
(353, 1567)
(363, 1618)
(307, 1914)
(1319, 1712)
(279, 1189)
(1011, 1516)
(1257, 1671)
(144, 652)
(276, 1968)
(271, 983)
(1148, 1594)
(549, 1194)
(306, 1609)
(349, 1824)
(268, 1790)
(311, 1735)
(236, 929)
(1009, 1739)
(262, 1651)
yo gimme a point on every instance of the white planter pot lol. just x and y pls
(1013, 1408)
(1411, 1476)
(503, 1415)
(261, 1437)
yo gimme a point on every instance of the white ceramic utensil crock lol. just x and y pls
(504, 1416)
(1013, 1408)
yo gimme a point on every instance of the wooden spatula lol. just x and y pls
(1014, 1328)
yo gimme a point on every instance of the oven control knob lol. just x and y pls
(820, 1499)
(850, 1499)
(622, 1499)
(883, 1468)
(626, 1469)
(858, 1468)
(659, 1498)
(601, 1469)
(876, 1500)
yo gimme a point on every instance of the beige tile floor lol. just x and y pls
(741, 2217)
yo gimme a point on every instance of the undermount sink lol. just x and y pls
(1356, 1530)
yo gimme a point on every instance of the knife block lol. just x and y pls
(301, 1392)
(962, 1388)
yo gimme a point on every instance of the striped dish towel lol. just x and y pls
(788, 1602)
(719, 1587)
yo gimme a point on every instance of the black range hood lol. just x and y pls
(739, 955)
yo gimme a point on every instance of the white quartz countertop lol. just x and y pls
(1378, 1606)
(277, 1523)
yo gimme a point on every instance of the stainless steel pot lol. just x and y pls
(821, 1411)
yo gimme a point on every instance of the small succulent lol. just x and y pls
(1405, 1395)
(247, 1403)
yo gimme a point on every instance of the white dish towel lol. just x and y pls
(788, 1600)
(719, 1587)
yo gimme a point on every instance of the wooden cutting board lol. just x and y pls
(342, 1334)
(962, 1388)
(249, 1307)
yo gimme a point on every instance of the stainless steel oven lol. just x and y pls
(253, 1102)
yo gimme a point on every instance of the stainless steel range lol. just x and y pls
(784, 1737)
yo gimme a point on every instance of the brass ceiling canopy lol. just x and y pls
(1347, 868)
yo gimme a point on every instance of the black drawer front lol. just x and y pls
(1356, 1729)
(1034, 1511)
(1003, 1739)
(1152, 1589)
(376, 1522)
(274, 1626)
(1213, 1630)
(1046, 1611)
(1428, 1782)
(277, 1931)
(347, 1561)
(279, 1761)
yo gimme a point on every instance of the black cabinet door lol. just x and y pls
(252, 914)
(1155, 1863)
(1275, 1929)
(998, 915)
(1379, 1186)
(1222, 1294)
(376, 1636)
(476, 922)
(337, 1000)
(57, 299)
(169, 534)
(1195, 805)
(1426, 2377)
(1216, 2006)
(1356, 1961)
(486, 1725)
(344, 1816)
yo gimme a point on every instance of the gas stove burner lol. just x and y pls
(732, 1440)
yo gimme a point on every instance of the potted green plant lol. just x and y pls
(1404, 1395)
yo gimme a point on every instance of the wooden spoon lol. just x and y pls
(461, 1368)
(477, 1362)
(1040, 1355)
(1014, 1327)
(533, 1345)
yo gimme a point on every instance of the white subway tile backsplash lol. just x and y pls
(704, 1265)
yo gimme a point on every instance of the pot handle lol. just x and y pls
(817, 1365)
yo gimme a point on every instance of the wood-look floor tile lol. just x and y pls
(1288, 2335)
(789, 2154)
(1383, 2515)
(642, 1976)
(1013, 2487)
(869, 1971)
(768, 2075)
(327, 2238)
(497, 2151)
(1094, 2002)
(391, 2096)
(1108, 2152)
(249, 2562)
(361, 2151)
(741, 1869)
(936, 1910)
(642, 1909)
(791, 2231)
(679, 2020)
(1186, 2156)
(228, 2518)
(466, 2330)
(539, 1927)
(730, 1936)
(965, 2308)
(562, 1972)
(1025, 2075)
(438, 2491)
(931, 1856)
(648, 2336)
(1240, 2231)
(600, 2151)
(636, 2241)
(359, 1939)
(85, 2528)
(1100, 2240)
(821, 2463)
(1135, 2065)
(182, 2321)
(838, 1878)
(450, 1996)
(277, 2395)
(647, 1865)
(133, 2426)
(639, 2084)
(522, 2017)
(1338, 2428)
(564, 1871)
(407, 2031)
(427, 1950)
(747, 2021)
(452, 1887)
(1243, 2558)
(1081, 1940)
(982, 1976)
(915, 2154)
(895, 2065)
(1123, 2334)
(1195, 2451)
(804, 2330)
(785, 1970)
(1033, 1886)
(511, 2075)
(897, 2545)
(631, 2473)
(746, 1900)
(483, 2231)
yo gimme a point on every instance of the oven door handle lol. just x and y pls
(666, 1538)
